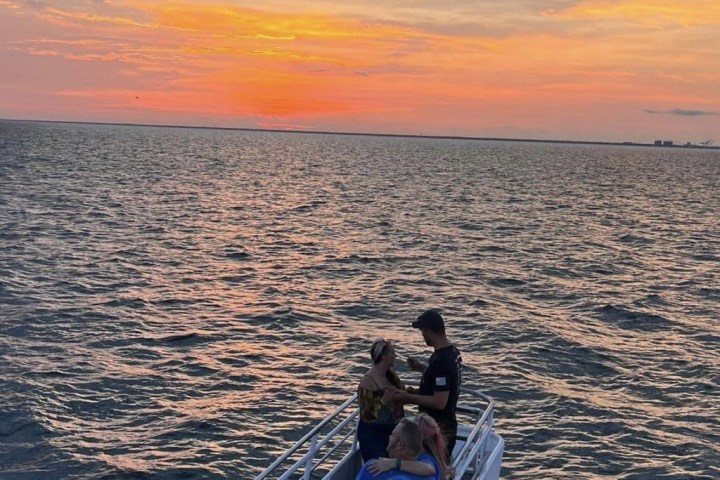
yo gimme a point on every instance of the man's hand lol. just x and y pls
(395, 395)
(381, 465)
(436, 401)
(415, 364)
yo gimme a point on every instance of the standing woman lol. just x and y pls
(379, 414)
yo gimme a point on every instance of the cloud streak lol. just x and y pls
(682, 112)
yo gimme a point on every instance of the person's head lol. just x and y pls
(433, 439)
(429, 427)
(382, 352)
(432, 326)
(405, 440)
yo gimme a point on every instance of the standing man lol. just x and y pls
(441, 377)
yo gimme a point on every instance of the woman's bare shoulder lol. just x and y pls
(367, 382)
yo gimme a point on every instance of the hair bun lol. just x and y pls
(377, 348)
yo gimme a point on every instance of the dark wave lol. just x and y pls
(634, 239)
(507, 282)
(135, 303)
(238, 255)
(634, 320)
(179, 338)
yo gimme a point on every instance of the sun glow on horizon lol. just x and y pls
(515, 70)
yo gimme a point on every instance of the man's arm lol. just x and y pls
(416, 365)
(416, 467)
(436, 401)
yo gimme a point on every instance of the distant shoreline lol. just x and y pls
(391, 135)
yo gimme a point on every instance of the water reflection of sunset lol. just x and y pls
(192, 300)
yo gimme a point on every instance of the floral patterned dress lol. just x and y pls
(377, 421)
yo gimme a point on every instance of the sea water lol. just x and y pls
(186, 303)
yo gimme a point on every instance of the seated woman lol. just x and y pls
(378, 413)
(434, 444)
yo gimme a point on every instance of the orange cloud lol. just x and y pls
(240, 22)
(43, 53)
(653, 13)
(86, 17)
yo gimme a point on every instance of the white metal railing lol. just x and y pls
(315, 445)
(475, 449)
(475, 454)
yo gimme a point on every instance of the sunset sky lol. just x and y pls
(616, 70)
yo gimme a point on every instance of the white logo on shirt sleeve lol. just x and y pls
(441, 381)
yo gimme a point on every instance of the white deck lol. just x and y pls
(330, 451)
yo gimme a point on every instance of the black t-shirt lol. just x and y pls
(443, 374)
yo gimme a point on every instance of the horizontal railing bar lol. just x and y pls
(304, 439)
(318, 446)
(332, 450)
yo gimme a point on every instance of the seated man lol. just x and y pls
(407, 462)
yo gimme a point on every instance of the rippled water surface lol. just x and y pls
(179, 303)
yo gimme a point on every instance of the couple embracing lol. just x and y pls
(388, 441)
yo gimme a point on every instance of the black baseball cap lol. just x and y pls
(431, 320)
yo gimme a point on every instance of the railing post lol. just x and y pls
(355, 438)
(491, 425)
(311, 458)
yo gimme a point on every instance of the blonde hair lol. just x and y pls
(378, 349)
(434, 442)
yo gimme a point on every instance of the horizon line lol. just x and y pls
(391, 135)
